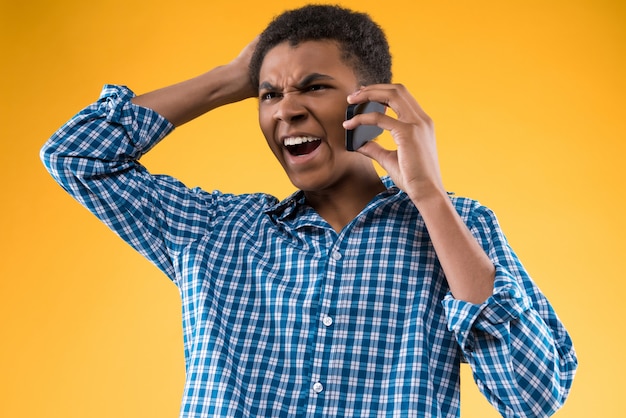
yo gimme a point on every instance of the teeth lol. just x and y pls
(297, 140)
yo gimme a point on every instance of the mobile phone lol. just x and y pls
(355, 138)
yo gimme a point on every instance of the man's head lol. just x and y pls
(362, 43)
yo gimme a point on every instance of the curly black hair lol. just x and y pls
(362, 42)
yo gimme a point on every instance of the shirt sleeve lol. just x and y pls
(521, 356)
(95, 157)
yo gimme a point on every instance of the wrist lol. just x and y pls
(427, 195)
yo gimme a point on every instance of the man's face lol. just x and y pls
(302, 103)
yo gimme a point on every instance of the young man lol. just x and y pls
(355, 296)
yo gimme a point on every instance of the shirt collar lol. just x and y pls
(287, 206)
(294, 206)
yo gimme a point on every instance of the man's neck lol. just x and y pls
(341, 204)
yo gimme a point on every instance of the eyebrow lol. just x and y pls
(307, 80)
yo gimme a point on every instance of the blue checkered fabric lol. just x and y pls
(282, 316)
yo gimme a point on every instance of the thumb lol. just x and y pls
(377, 153)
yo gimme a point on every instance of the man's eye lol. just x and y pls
(269, 95)
(316, 87)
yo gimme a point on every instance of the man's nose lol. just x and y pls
(290, 109)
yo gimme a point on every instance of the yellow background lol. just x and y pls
(528, 100)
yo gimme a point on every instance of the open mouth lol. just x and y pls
(302, 145)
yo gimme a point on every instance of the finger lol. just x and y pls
(396, 97)
(374, 118)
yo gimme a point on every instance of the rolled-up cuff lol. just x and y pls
(143, 126)
(507, 303)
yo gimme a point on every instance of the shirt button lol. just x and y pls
(328, 321)
(318, 387)
(336, 255)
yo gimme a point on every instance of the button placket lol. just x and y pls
(321, 353)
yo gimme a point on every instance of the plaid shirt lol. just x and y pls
(282, 316)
